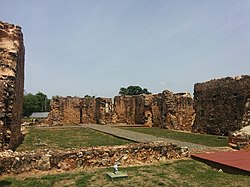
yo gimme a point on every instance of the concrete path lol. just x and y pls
(140, 137)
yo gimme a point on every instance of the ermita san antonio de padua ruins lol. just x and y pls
(218, 107)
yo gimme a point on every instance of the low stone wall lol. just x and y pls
(104, 156)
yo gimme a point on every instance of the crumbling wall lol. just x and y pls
(87, 110)
(124, 109)
(241, 138)
(11, 85)
(104, 156)
(104, 110)
(165, 110)
(185, 112)
(220, 105)
(172, 111)
(65, 110)
(72, 110)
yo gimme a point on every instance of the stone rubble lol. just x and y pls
(239, 139)
(104, 156)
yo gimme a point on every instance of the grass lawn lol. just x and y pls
(67, 138)
(179, 173)
(203, 139)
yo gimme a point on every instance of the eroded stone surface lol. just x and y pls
(104, 156)
(222, 105)
(239, 139)
(165, 110)
(11, 85)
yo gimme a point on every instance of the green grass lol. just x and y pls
(67, 138)
(178, 173)
(203, 139)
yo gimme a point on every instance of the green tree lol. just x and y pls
(133, 90)
(35, 103)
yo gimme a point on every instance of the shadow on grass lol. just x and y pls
(5, 183)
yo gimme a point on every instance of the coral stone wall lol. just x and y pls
(185, 112)
(104, 109)
(165, 110)
(220, 105)
(104, 156)
(75, 110)
(125, 109)
(11, 85)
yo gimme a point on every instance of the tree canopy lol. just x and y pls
(133, 90)
(35, 103)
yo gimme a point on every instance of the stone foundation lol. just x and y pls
(222, 105)
(104, 156)
(11, 85)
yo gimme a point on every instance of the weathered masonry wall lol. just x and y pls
(17, 162)
(221, 105)
(75, 110)
(166, 110)
(11, 85)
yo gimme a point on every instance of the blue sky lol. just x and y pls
(79, 47)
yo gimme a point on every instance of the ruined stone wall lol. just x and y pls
(72, 110)
(104, 110)
(165, 110)
(220, 105)
(170, 111)
(185, 112)
(75, 110)
(11, 85)
(65, 110)
(124, 109)
(88, 110)
(104, 156)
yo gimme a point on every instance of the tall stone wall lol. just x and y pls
(170, 111)
(220, 105)
(104, 110)
(128, 109)
(11, 85)
(165, 110)
(75, 110)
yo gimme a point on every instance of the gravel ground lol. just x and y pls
(140, 137)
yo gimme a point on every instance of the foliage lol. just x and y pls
(133, 90)
(178, 173)
(59, 138)
(88, 97)
(203, 139)
(35, 103)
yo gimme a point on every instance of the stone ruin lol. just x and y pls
(92, 157)
(166, 110)
(11, 85)
(222, 105)
(241, 138)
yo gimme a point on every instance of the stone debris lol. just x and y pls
(11, 85)
(222, 105)
(104, 156)
(165, 110)
(239, 139)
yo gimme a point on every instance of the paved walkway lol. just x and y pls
(140, 137)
